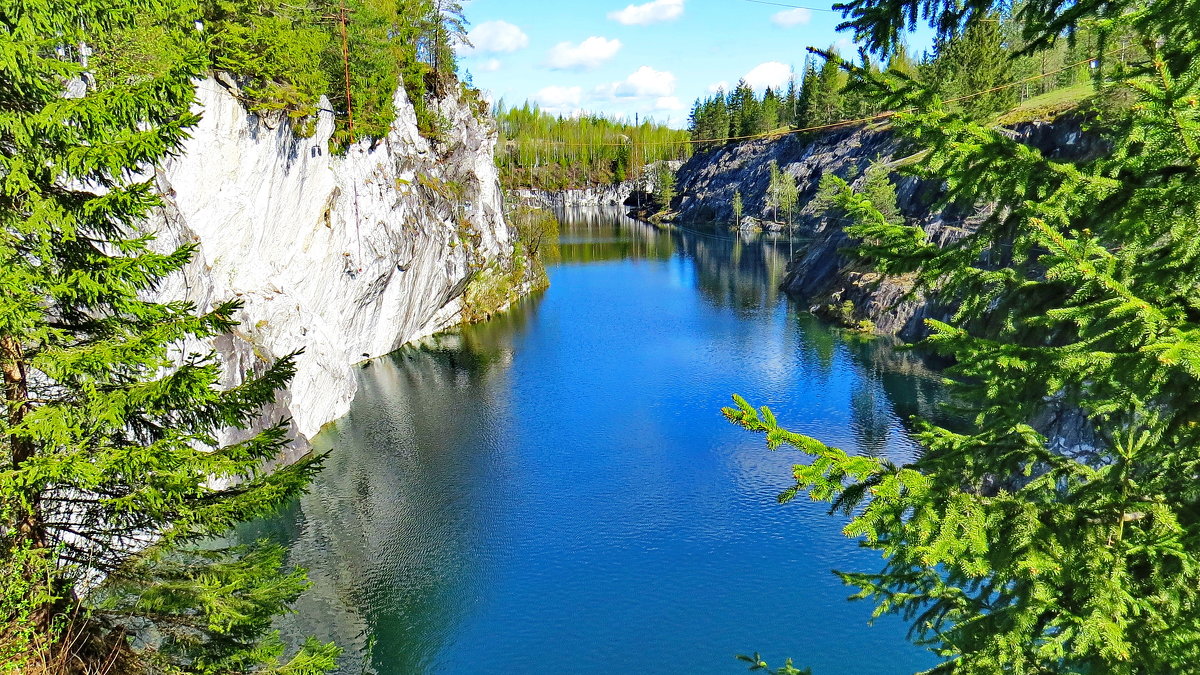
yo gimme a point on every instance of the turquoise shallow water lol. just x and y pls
(555, 491)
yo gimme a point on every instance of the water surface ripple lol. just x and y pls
(555, 491)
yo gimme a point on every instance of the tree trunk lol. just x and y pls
(28, 522)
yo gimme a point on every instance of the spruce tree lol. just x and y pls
(769, 112)
(664, 185)
(901, 63)
(809, 84)
(825, 102)
(114, 479)
(1007, 547)
(857, 102)
(754, 120)
(973, 61)
(697, 119)
(720, 117)
(789, 109)
(878, 189)
(744, 111)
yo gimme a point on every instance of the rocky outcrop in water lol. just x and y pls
(820, 274)
(345, 257)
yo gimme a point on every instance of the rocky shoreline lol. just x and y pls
(821, 275)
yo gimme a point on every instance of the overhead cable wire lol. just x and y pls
(782, 4)
(817, 9)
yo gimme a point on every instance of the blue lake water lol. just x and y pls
(556, 491)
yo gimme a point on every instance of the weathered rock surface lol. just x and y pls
(601, 195)
(616, 194)
(820, 273)
(344, 257)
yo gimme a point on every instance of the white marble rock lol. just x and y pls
(345, 257)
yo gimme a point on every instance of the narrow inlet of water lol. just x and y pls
(555, 491)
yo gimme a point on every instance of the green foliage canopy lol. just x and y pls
(540, 150)
(286, 55)
(972, 69)
(114, 475)
(1007, 551)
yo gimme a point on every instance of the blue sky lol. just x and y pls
(652, 58)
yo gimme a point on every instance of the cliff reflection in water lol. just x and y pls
(606, 235)
(555, 491)
(735, 270)
(386, 530)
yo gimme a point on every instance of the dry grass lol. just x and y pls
(79, 649)
(1048, 106)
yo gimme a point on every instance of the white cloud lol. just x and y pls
(587, 54)
(718, 86)
(651, 12)
(792, 17)
(489, 66)
(645, 82)
(496, 37)
(604, 92)
(668, 103)
(770, 74)
(559, 99)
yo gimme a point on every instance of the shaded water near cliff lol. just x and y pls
(556, 491)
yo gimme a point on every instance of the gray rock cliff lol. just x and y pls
(821, 274)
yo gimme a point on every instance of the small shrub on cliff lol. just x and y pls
(844, 315)
(664, 185)
(537, 232)
(863, 327)
(495, 287)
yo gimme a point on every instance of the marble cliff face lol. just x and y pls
(345, 257)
